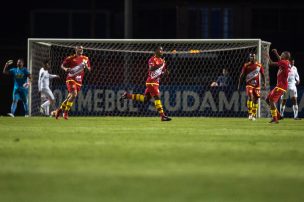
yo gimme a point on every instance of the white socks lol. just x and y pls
(46, 107)
(294, 107)
(295, 110)
(282, 109)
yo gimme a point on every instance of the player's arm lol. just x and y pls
(264, 80)
(240, 80)
(263, 77)
(271, 63)
(40, 79)
(53, 76)
(88, 65)
(241, 76)
(29, 76)
(8, 63)
(297, 77)
(215, 83)
(275, 52)
(166, 72)
(65, 68)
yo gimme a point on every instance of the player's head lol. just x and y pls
(292, 62)
(225, 71)
(79, 50)
(285, 55)
(252, 57)
(20, 62)
(159, 51)
(47, 64)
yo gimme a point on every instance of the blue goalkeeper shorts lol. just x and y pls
(20, 94)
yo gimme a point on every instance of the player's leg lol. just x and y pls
(131, 96)
(255, 99)
(69, 104)
(137, 97)
(44, 106)
(154, 91)
(273, 97)
(284, 98)
(50, 100)
(24, 99)
(271, 104)
(62, 107)
(74, 89)
(249, 92)
(255, 106)
(295, 107)
(71, 87)
(159, 108)
(16, 97)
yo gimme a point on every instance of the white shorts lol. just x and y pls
(291, 92)
(47, 93)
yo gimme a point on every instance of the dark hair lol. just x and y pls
(46, 61)
(158, 48)
(287, 54)
(22, 60)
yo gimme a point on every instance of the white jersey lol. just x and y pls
(293, 77)
(44, 79)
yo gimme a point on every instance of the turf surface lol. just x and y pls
(143, 159)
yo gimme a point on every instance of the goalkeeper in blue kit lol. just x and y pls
(20, 92)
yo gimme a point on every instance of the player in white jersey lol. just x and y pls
(44, 88)
(293, 80)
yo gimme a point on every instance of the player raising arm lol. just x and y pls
(252, 71)
(74, 65)
(157, 67)
(22, 77)
(282, 83)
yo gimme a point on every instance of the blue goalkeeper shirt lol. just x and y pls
(20, 76)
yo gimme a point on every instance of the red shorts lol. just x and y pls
(275, 94)
(255, 91)
(152, 89)
(72, 86)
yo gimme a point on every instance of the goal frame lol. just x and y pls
(30, 41)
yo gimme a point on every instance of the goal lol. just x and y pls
(119, 65)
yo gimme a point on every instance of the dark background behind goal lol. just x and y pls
(280, 23)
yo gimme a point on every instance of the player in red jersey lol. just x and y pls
(282, 82)
(252, 71)
(157, 67)
(74, 65)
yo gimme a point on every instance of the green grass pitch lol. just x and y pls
(125, 159)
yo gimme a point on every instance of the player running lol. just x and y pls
(74, 65)
(157, 68)
(44, 87)
(293, 80)
(282, 83)
(252, 71)
(21, 82)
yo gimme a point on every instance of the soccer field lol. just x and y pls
(143, 159)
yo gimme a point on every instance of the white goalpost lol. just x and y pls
(121, 64)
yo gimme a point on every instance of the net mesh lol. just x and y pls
(119, 66)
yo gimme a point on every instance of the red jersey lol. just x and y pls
(252, 71)
(154, 76)
(282, 76)
(76, 63)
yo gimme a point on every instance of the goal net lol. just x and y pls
(119, 65)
